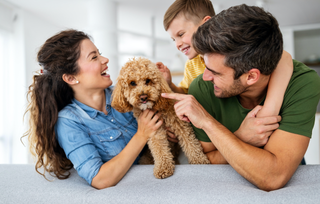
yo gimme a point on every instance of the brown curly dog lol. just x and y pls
(139, 87)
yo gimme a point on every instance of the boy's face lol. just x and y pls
(181, 31)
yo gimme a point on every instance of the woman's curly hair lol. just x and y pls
(47, 95)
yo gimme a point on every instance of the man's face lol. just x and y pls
(222, 77)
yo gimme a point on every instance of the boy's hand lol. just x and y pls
(256, 131)
(165, 72)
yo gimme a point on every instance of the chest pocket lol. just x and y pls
(112, 142)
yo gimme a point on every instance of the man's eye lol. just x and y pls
(133, 83)
(148, 81)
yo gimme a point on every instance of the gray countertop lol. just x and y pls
(189, 184)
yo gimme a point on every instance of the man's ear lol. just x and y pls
(69, 79)
(253, 76)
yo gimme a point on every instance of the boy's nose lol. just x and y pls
(178, 44)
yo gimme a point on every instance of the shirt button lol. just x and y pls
(111, 120)
(126, 130)
(111, 137)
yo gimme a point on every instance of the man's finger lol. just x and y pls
(272, 120)
(175, 96)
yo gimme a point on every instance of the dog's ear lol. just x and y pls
(163, 103)
(119, 101)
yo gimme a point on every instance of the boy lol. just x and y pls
(181, 21)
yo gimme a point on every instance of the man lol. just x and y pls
(241, 47)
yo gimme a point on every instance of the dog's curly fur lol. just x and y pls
(139, 87)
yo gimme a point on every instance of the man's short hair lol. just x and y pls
(247, 36)
(194, 10)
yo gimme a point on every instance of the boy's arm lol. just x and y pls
(167, 76)
(278, 83)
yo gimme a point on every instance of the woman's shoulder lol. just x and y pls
(69, 112)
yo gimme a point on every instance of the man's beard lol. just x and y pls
(235, 89)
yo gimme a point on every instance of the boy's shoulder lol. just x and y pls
(196, 63)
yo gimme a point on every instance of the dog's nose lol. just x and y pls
(143, 97)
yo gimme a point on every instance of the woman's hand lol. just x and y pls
(148, 123)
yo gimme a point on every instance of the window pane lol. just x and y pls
(135, 45)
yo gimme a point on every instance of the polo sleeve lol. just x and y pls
(300, 104)
(79, 148)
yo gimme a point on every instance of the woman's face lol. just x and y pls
(93, 68)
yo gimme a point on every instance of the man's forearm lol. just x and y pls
(256, 165)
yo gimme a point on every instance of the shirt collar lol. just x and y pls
(91, 111)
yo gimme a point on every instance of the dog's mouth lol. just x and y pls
(145, 105)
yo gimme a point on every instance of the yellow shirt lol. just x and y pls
(192, 69)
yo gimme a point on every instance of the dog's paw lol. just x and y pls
(163, 170)
(200, 159)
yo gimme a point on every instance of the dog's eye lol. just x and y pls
(133, 83)
(148, 81)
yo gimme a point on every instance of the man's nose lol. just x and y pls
(207, 76)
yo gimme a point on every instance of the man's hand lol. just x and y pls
(165, 72)
(256, 131)
(189, 109)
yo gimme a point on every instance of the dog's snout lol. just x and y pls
(143, 97)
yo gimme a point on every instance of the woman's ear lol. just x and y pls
(70, 79)
(253, 76)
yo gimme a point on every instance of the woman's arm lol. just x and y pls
(278, 83)
(113, 171)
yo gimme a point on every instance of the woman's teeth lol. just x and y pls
(104, 72)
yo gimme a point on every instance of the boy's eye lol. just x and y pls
(148, 81)
(133, 83)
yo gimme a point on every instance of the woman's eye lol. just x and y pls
(148, 81)
(95, 57)
(133, 83)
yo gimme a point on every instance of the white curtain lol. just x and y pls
(12, 87)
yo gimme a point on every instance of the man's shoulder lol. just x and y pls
(304, 76)
(198, 84)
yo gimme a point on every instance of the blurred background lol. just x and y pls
(121, 29)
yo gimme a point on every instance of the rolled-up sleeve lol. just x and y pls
(79, 148)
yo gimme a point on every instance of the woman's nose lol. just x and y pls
(104, 60)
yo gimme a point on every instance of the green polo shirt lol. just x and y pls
(297, 111)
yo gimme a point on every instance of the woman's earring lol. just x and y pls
(77, 82)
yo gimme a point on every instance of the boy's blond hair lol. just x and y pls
(194, 10)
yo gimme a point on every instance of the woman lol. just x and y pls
(71, 121)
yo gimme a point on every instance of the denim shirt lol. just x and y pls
(90, 138)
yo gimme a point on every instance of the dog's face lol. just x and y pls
(140, 85)
(143, 85)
